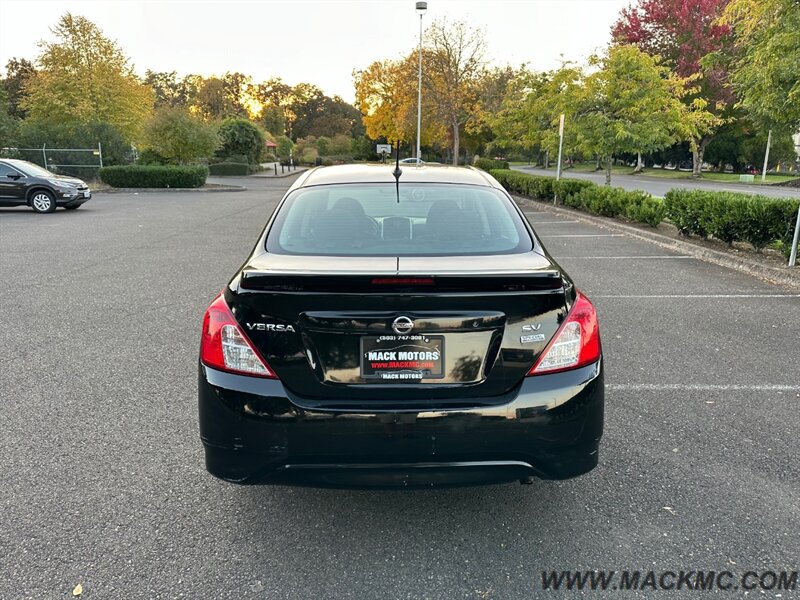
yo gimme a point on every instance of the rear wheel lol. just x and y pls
(43, 201)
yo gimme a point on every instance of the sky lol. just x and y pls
(314, 41)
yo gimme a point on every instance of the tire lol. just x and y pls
(43, 201)
(76, 207)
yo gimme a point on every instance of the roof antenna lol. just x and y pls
(397, 172)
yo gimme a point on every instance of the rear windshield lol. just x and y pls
(370, 220)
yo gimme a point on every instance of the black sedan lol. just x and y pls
(24, 183)
(399, 331)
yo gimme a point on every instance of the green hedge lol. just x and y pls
(733, 217)
(564, 188)
(585, 195)
(487, 164)
(616, 202)
(154, 176)
(727, 216)
(229, 168)
(539, 188)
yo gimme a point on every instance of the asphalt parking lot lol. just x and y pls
(103, 476)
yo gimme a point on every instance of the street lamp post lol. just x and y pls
(421, 8)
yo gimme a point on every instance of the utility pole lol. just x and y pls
(560, 148)
(793, 256)
(766, 156)
(421, 8)
(560, 145)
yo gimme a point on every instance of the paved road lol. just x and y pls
(659, 187)
(103, 480)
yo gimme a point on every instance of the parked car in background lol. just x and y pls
(412, 161)
(25, 183)
(408, 331)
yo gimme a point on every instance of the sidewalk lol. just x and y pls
(275, 170)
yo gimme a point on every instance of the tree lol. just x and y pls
(323, 145)
(341, 144)
(272, 119)
(84, 77)
(630, 104)
(18, 72)
(316, 114)
(171, 91)
(386, 96)
(240, 137)
(285, 147)
(8, 124)
(527, 119)
(766, 61)
(116, 146)
(453, 71)
(275, 97)
(180, 137)
(493, 88)
(683, 34)
(212, 101)
(383, 98)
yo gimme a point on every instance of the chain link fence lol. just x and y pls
(78, 162)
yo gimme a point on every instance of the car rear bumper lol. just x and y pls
(255, 431)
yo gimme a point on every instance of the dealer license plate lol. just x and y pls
(402, 357)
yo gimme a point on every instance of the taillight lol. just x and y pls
(224, 346)
(575, 344)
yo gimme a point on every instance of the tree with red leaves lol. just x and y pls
(684, 33)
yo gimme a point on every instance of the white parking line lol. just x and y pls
(582, 235)
(551, 222)
(657, 296)
(659, 257)
(646, 387)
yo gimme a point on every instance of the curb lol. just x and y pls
(221, 188)
(754, 268)
(282, 175)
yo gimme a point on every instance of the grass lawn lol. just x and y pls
(675, 174)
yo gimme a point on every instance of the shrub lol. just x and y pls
(340, 159)
(229, 168)
(733, 217)
(786, 217)
(649, 211)
(487, 164)
(285, 146)
(539, 188)
(180, 137)
(308, 157)
(151, 157)
(564, 188)
(585, 195)
(155, 176)
(240, 137)
(688, 211)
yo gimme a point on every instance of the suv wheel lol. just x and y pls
(43, 201)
